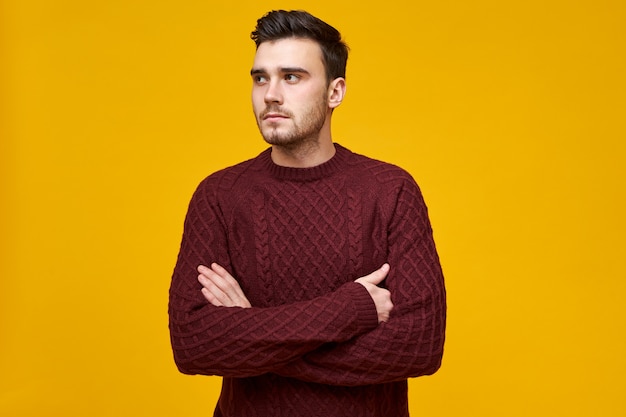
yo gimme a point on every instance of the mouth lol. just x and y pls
(274, 116)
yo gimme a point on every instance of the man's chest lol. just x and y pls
(297, 245)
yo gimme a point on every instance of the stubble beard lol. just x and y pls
(302, 132)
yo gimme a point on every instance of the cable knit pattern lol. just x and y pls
(296, 239)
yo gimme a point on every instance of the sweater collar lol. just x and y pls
(317, 172)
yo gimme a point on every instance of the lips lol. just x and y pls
(274, 113)
(274, 116)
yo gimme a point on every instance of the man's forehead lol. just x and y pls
(288, 53)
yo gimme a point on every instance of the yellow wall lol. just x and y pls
(510, 114)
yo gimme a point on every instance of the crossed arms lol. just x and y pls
(221, 289)
(358, 334)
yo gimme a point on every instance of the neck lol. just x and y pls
(306, 154)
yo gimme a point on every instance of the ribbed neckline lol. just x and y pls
(326, 169)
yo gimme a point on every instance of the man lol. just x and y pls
(307, 277)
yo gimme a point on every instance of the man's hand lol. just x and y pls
(381, 296)
(220, 288)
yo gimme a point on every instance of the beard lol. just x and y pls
(304, 129)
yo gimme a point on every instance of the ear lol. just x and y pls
(336, 92)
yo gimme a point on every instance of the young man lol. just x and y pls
(308, 276)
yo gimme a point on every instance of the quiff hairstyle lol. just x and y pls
(281, 24)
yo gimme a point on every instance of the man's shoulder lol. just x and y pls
(385, 183)
(378, 170)
(226, 178)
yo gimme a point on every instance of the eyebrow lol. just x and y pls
(283, 70)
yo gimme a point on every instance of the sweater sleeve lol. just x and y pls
(410, 343)
(238, 342)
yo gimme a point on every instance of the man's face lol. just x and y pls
(289, 91)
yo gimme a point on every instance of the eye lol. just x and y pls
(259, 79)
(292, 78)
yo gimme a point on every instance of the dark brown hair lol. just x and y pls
(281, 24)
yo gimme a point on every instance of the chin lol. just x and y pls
(279, 140)
(274, 137)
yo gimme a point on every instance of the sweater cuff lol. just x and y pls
(366, 315)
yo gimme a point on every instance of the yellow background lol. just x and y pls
(511, 115)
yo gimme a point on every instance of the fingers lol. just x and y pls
(384, 307)
(377, 276)
(213, 299)
(380, 296)
(210, 289)
(220, 288)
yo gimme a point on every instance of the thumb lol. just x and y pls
(377, 276)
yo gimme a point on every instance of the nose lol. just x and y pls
(273, 93)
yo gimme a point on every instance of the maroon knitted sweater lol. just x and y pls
(296, 239)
